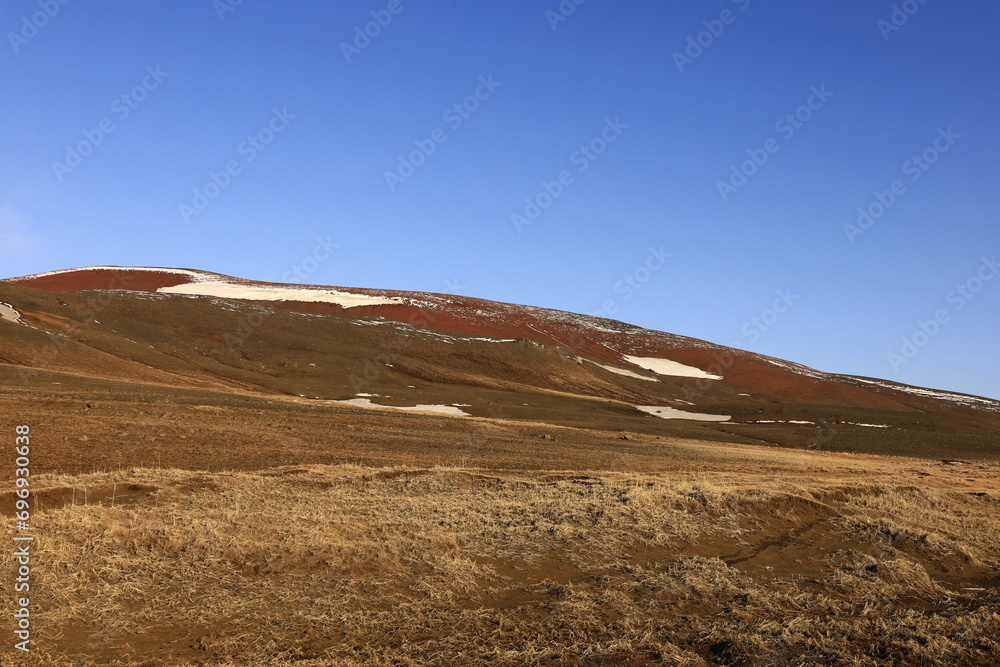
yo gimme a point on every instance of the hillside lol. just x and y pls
(168, 346)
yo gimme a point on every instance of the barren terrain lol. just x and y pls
(729, 555)
(208, 489)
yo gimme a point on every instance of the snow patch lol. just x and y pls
(442, 409)
(229, 290)
(668, 367)
(493, 340)
(772, 421)
(597, 327)
(8, 313)
(797, 368)
(622, 371)
(961, 399)
(779, 421)
(674, 413)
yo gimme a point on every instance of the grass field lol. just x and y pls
(739, 556)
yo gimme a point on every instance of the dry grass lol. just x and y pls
(843, 562)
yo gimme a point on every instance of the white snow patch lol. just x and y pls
(597, 327)
(933, 393)
(797, 368)
(207, 284)
(442, 409)
(228, 290)
(674, 413)
(8, 313)
(668, 367)
(622, 371)
(772, 421)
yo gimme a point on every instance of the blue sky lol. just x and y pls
(646, 146)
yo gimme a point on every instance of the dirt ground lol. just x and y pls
(197, 501)
(682, 552)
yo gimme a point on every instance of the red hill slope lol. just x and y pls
(466, 356)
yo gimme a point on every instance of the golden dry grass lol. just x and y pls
(827, 559)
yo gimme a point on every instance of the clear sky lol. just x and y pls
(688, 167)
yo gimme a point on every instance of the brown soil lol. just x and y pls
(199, 499)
